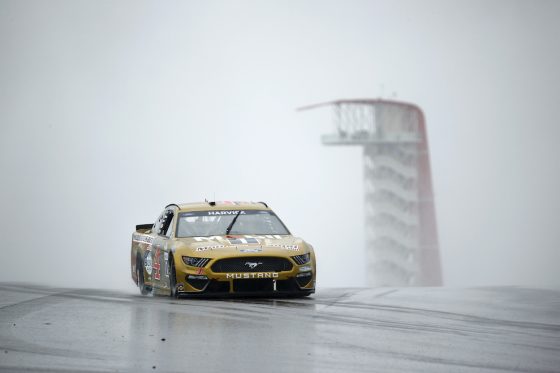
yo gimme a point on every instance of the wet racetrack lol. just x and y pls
(336, 330)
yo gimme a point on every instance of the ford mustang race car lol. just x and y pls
(220, 248)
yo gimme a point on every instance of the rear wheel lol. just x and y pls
(144, 289)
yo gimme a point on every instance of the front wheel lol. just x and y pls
(172, 277)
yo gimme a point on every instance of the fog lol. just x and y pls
(111, 110)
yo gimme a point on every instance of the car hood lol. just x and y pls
(232, 245)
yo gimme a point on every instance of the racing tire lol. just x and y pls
(144, 289)
(172, 277)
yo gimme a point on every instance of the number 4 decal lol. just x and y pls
(157, 264)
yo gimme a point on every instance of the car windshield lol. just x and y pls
(216, 223)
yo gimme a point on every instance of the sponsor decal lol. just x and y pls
(142, 239)
(148, 262)
(253, 265)
(180, 286)
(208, 239)
(269, 236)
(250, 249)
(206, 248)
(166, 258)
(242, 240)
(237, 276)
(286, 247)
(226, 212)
(200, 271)
(157, 264)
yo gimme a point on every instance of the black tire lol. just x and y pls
(172, 277)
(144, 289)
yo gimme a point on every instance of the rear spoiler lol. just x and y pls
(144, 226)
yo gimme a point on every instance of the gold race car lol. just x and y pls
(221, 248)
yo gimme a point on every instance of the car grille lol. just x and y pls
(246, 286)
(247, 264)
(218, 287)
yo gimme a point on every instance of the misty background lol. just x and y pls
(111, 110)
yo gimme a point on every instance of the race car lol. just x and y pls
(220, 248)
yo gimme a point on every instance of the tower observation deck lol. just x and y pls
(401, 234)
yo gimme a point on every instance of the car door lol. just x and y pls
(161, 246)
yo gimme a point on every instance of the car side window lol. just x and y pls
(167, 226)
(158, 223)
(163, 224)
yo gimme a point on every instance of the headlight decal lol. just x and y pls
(302, 259)
(195, 262)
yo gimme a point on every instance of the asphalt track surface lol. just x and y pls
(336, 330)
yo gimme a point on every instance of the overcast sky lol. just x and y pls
(111, 110)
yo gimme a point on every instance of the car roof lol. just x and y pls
(222, 205)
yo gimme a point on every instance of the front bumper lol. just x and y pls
(193, 281)
(248, 288)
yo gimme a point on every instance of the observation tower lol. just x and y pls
(401, 234)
